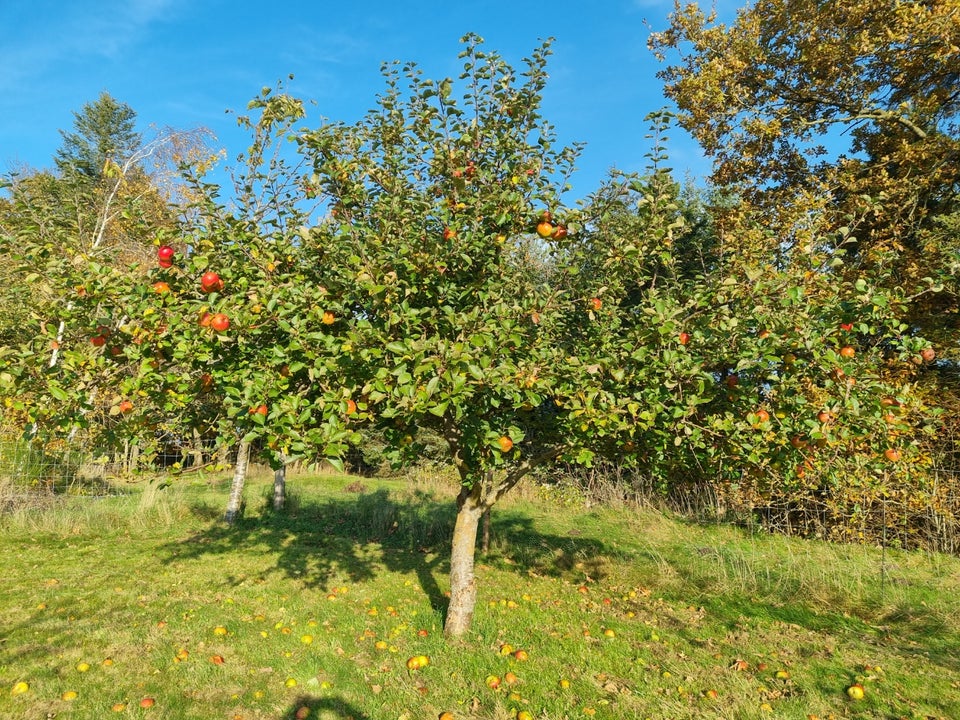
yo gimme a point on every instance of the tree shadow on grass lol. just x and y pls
(323, 708)
(355, 537)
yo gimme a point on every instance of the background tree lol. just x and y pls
(834, 115)
(104, 130)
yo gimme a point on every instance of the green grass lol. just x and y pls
(145, 579)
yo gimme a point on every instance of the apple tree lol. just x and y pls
(759, 380)
(440, 203)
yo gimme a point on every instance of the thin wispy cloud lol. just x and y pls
(72, 33)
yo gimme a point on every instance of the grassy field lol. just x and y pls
(622, 613)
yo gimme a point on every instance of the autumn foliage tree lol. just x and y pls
(834, 116)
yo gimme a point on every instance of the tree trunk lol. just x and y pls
(485, 534)
(279, 487)
(236, 488)
(463, 585)
(134, 457)
(197, 450)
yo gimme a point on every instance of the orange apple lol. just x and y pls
(506, 444)
(847, 351)
(147, 702)
(328, 318)
(891, 454)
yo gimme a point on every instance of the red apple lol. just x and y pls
(595, 303)
(125, 406)
(259, 410)
(684, 338)
(449, 233)
(928, 354)
(211, 282)
(220, 322)
(98, 340)
(165, 252)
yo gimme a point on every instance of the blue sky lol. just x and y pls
(183, 63)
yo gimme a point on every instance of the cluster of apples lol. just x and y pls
(210, 282)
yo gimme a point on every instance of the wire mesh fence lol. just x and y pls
(929, 521)
(30, 471)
